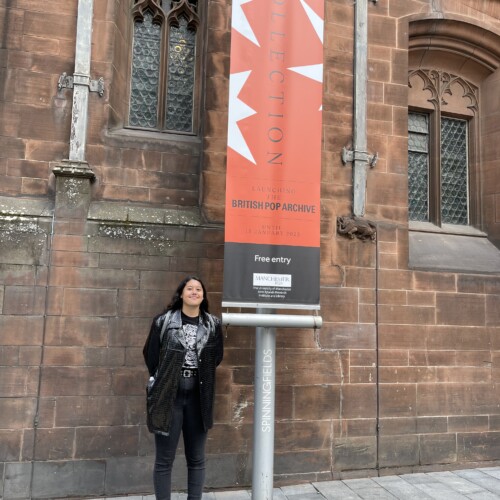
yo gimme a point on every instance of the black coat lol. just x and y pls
(165, 359)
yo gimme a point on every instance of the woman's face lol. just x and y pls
(192, 295)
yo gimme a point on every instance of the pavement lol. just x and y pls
(477, 484)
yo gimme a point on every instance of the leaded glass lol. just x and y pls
(454, 171)
(181, 73)
(145, 73)
(418, 167)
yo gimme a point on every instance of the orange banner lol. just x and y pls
(274, 123)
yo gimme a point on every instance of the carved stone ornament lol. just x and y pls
(153, 6)
(440, 84)
(356, 227)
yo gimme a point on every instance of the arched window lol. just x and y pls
(440, 131)
(453, 174)
(164, 66)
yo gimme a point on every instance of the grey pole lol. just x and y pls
(264, 398)
(360, 164)
(81, 82)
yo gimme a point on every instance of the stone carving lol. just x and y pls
(356, 227)
(440, 83)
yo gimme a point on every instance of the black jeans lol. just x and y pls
(186, 416)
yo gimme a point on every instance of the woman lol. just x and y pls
(182, 351)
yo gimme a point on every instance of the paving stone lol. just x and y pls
(231, 495)
(300, 489)
(456, 482)
(336, 490)
(367, 488)
(436, 489)
(400, 488)
(486, 481)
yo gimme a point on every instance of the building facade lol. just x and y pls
(113, 133)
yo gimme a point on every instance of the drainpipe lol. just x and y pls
(82, 85)
(358, 155)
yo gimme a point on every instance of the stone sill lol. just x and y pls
(104, 211)
(156, 141)
(465, 250)
(118, 212)
(25, 207)
(428, 227)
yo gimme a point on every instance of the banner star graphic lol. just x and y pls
(313, 71)
(240, 22)
(238, 110)
(316, 20)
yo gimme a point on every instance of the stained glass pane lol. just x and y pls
(145, 73)
(418, 167)
(454, 171)
(181, 75)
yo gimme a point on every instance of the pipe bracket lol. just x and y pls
(350, 156)
(67, 82)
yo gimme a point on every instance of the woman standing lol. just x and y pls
(182, 351)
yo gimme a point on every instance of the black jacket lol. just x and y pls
(165, 359)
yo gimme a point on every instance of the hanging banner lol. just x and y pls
(272, 231)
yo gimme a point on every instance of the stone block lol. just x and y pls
(24, 300)
(460, 309)
(89, 302)
(18, 381)
(294, 435)
(478, 446)
(141, 303)
(106, 442)
(68, 479)
(430, 425)
(493, 310)
(340, 305)
(316, 402)
(398, 400)
(54, 444)
(22, 241)
(354, 453)
(402, 425)
(397, 451)
(84, 411)
(75, 277)
(76, 331)
(128, 381)
(10, 445)
(17, 413)
(126, 475)
(132, 331)
(438, 449)
(358, 401)
(302, 462)
(346, 336)
(75, 381)
(17, 481)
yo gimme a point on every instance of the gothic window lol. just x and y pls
(164, 66)
(439, 138)
(451, 189)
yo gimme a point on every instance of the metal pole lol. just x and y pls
(81, 81)
(360, 164)
(264, 399)
(272, 320)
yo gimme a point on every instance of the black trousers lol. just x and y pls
(186, 416)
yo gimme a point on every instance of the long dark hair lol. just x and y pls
(176, 300)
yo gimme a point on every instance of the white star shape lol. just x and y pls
(316, 20)
(240, 22)
(238, 110)
(313, 71)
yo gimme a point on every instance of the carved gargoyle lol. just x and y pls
(356, 227)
